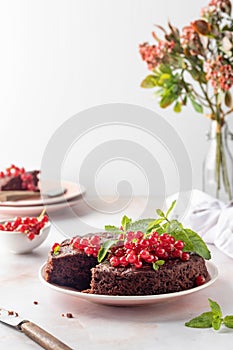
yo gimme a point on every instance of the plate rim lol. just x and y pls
(80, 190)
(124, 300)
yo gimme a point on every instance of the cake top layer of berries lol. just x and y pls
(147, 241)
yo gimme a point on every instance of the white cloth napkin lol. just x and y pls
(210, 218)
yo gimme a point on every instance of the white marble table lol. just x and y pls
(105, 327)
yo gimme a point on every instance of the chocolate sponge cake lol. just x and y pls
(128, 264)
(174, 276)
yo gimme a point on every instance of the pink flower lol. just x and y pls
(216, 5)
(155, 55)
(220, 75)
(191, 41)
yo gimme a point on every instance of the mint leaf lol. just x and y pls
(199, 245)
(140, 225)
(111, 228)
(173, 225)
(157, 264)
(217, 322)
(160, 213)
(202, 321)
(171, 208)
(105, 248)
(228, 321)
(180, 234)
(215, 308)
(125, 222)
(154, 225)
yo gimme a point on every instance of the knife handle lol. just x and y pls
(41, 337)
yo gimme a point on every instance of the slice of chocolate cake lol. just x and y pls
(174, 276)
(69, 265)
(18, 179)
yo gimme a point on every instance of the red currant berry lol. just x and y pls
(168, 247)
(200, 280)
(45, 219)
(138, 264)
(185, 256)
(84, 242)
(150, 258)
(88, 250)
(138, 234)
(2, 228)
(153, 241)
(119, 252)
(123, 261)
(114, 261)
(132, 258)
(30, 235)
(164, 237)
(144, 254)
(154, 234)
(176, 253)
(160, 252)
(95, 240)
(144, 243)
(172, 240)
(179, 245)
(128, 245)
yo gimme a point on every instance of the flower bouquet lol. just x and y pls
(195, 66)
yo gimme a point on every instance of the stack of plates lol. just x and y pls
(28, 207)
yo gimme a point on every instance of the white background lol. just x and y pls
(61, 57)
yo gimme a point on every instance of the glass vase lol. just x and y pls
(218, 163)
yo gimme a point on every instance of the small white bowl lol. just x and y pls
(18, 243)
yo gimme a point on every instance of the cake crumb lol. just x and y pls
(68, 315)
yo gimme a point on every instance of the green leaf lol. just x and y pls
(149, 82)
(178, 107)
(202, 321)
(154, 224)
(157, 264)
(111, 228)
(215, 308)
(183, 236)
(163, 78)
(199, 245)
(165, 69)
(125, 222)
(228, 321)
(173, 226)
(171, 208)
(228, 99)
(217, 322)
(167, 100)
(198, 108)
(160, 213)
(105, 248)
(140, 225)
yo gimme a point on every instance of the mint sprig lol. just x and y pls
(105, 249)
(193, 242)
(211, 319)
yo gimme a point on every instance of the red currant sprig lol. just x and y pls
(31, 226)
(134, 248)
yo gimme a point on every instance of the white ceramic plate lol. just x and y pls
(73, 190)
(130, 300)
(9, 212)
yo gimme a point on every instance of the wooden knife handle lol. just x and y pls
(41, 337)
